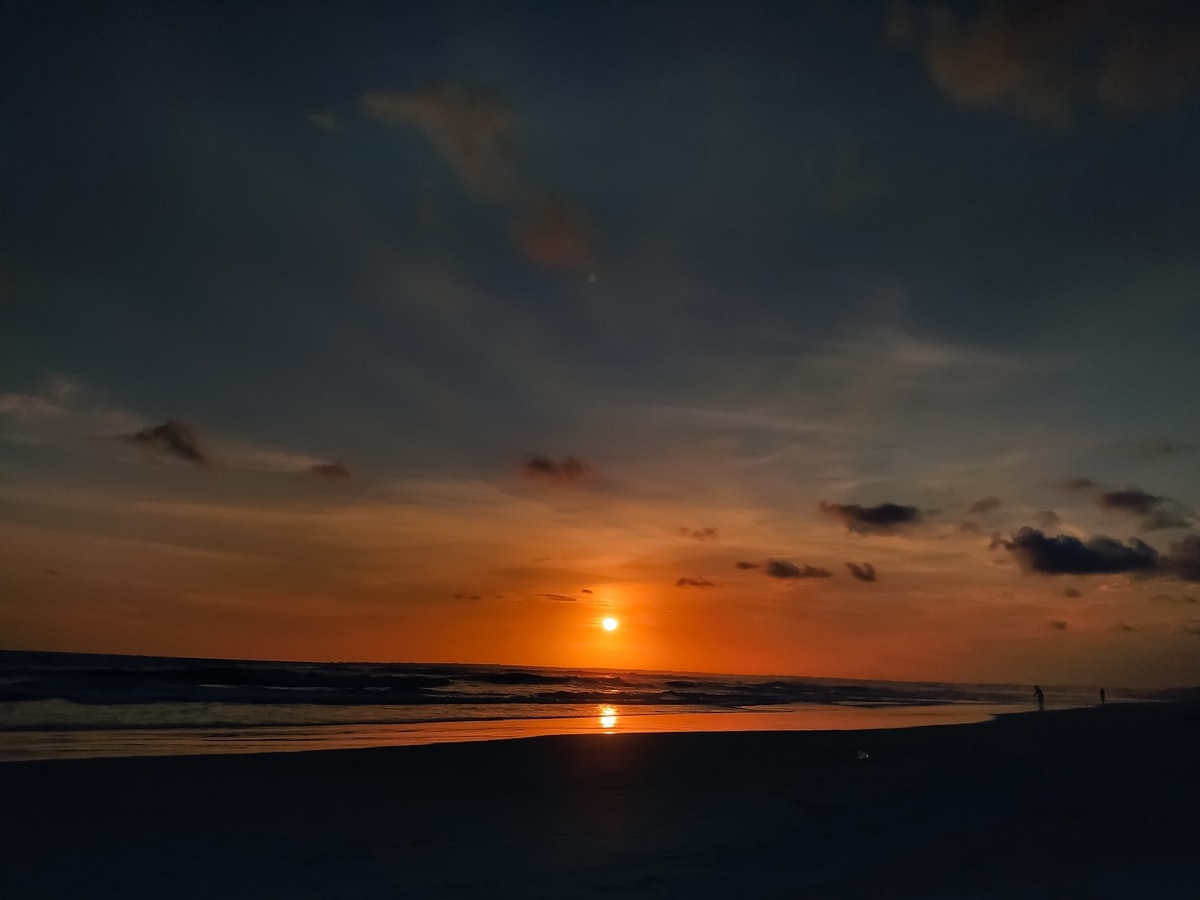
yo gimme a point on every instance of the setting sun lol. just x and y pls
(610, 624)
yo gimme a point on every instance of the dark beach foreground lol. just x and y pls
(1091, 803)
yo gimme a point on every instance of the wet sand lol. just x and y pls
(1091, 803)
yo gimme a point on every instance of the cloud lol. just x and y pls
(886, 518)
(1066, 555)
(173, 438)
(1184, 558)
(700, 534)
(779, 568)
(1058, 625)
(1045, 60)
(561, 598)
(985, 505)
(693, 582)
(1046, 519)
(467, 597)
(554, 233)
(1078, 484)
(471, 130)
(331, 470)
(1157, 447)
(543, 468)
(865, 572)
(586, 591)
(1170, 598)
(746, 565)
(1073, 593)
(1156, 512)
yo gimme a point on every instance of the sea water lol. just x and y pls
(59, 705)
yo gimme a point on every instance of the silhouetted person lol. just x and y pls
(1040, 697)
(1101, 696)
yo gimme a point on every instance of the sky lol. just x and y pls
(832, 339)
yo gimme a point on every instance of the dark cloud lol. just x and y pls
(1184, 558)
(746, 565)
(1058, 625)
(865, 572)
(1045, 59)
(472, 130)
(693, 582)
(1046, 519)
(554, 233)
(586, 591)
(1071, 592)
(886, 518)
(780, 568)
(544, 468)
(969, 528)
(333, 470)
(1066, 555)
(467, 597)
(173, 438)
(1155, 511)
(561, 598)
(700, 534)
(985, 505)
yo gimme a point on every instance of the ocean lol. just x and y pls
(70, 705)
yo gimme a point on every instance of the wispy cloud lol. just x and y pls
(1044, 61)
(687, 581)
(173, 438)
(554, 233)
(864, 572)
(543, 468)
(1155, 511)
(472, 130)
(331, 470)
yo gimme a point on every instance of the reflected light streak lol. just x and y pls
(608, 717)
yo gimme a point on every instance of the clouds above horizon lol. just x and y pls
(863, 572)
(1045, 61)
(1064, 554)
(883, 519)
(173, 439)
(539, 467)
(781, 568)
(474, 132)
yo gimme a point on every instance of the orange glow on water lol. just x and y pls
(608, 717)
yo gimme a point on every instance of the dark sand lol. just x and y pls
(1092, 803)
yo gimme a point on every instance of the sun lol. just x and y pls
(610, 624)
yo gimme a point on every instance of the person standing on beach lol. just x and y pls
(1040, 697)
(1101, 696)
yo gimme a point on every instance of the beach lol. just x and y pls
(1088, 803)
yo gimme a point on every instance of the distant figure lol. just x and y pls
(1040, 697)
(1101, 696)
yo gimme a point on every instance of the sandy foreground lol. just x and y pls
(1091, 803)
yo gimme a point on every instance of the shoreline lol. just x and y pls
(1098, 800)
(51, 744)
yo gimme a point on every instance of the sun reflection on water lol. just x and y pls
(608, 717)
